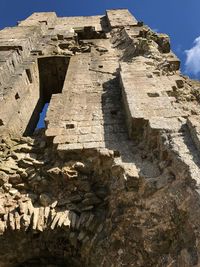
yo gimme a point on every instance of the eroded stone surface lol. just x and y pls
(113, 179)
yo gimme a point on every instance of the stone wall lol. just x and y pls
(113, 179)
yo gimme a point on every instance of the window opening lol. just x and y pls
(89, 32)
(52, 72)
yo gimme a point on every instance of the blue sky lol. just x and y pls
(178, 18)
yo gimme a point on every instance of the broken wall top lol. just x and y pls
(103, 51)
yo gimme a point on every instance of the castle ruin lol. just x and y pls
(113, 179)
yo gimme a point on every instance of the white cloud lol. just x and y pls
(192, 64)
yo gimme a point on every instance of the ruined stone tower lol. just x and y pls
(113, 179)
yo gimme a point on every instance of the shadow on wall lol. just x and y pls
(52, 72)
(115, 128)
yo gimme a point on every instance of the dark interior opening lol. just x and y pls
(30, 248)
(43, 262)
(89, 32)
(52, 72)
(28, 73)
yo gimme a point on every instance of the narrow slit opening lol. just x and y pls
(28, 73)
